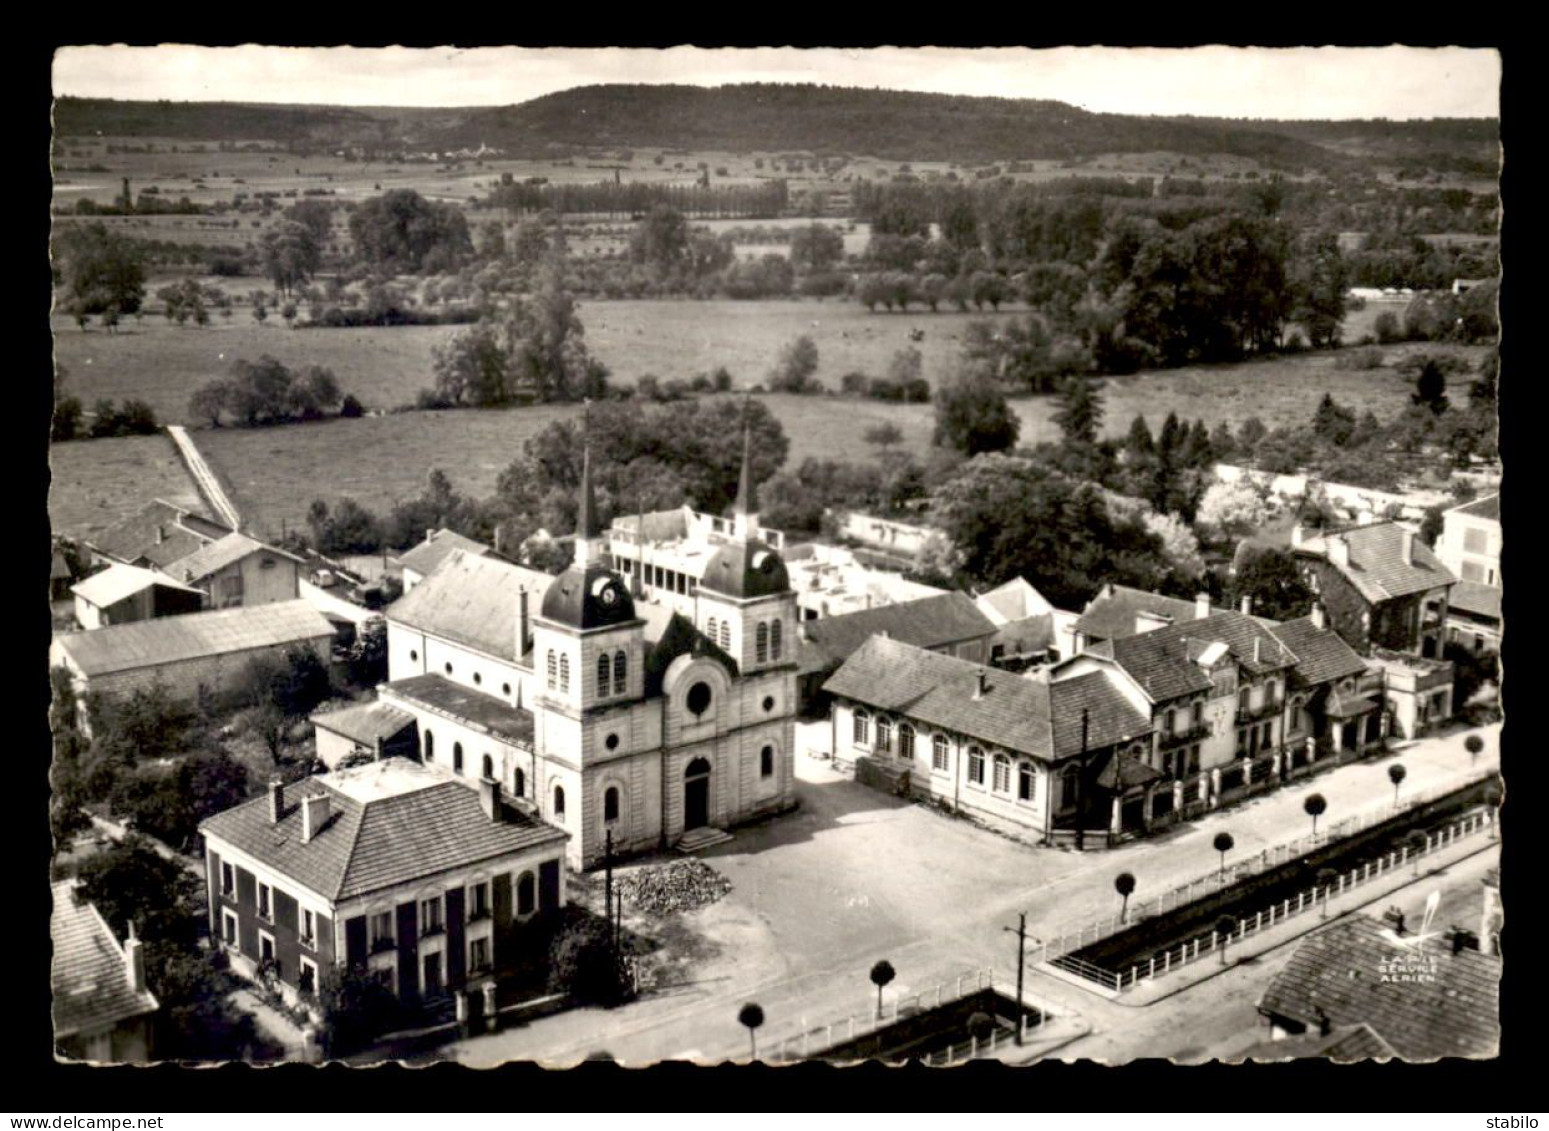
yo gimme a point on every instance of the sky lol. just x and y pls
(1300, 82)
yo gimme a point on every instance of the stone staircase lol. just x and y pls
(697, 840)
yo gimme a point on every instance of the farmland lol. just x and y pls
(275, 473)
(97, 482)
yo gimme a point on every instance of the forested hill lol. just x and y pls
(894, 125)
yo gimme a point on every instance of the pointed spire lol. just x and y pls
(586, 519)
(745, 512)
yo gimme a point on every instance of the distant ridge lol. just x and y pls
(893, 125)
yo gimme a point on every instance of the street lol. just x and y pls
(855, 876)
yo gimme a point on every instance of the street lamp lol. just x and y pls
(1020, 930)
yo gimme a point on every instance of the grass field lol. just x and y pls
(274, 474)
(97, 482)
(163, 363)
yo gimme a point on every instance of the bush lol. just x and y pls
(350, 407)
(1366, 358)
(1388, 328)
(582, 961)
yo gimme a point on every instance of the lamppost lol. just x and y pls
(1020, 930)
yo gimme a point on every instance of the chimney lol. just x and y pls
(314, 815)
(489, 798)
(1201, 606)
(1257, 648)
(1296, 535)
(1319, 618)
(430, 533)
(1325, 1025)
(276, 801)
(134, 962)
(498, 532)
(983, 685)
(161, 534)
(1246, 604)
(1407, 545)
(1339, 551)
(521, 624)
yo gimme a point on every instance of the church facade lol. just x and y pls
(597, 711)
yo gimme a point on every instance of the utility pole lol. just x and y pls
(1080, 772)
(1020, 930)
(607, 873)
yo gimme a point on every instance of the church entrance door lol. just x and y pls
(696, 794)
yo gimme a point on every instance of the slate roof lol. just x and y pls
(134, 537)
(424, 558)
(222, 553)
(1377, 567)
(120, 581)
(472, 600)
(89, 976)
(1345, 1044)
(670, 635)
(365, 723)
(1321, 653)
(930, 622)
(1476, 598)
(1339, 970)
(1031, 716)
(167, 640)
(1163, 661)
(1487, 507)
(1111, 614)
(484, 712)
(391, 822)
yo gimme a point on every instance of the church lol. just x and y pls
(596, 710)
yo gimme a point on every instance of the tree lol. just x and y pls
(1019, 353)
(1320, 282)
(290, 254)
(100, 270)
(751, 1017)
(356, 1008)
(660, 240)
(209, 401)
(1315, 806)
(1228, 511)
(368, 653)
(402, 232)
(1269, 576)
(1332, 422)
(1124, 884)
(1138, 442)
(884, 435)
(1431, 387)
(1224, 843)
(798, 362)
(472, 367)
(66, 423)
(816, 247)
(1396, 775)
(881, 974)
(1474, 745)
(973, 416)
(1080, 413)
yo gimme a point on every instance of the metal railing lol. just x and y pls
(1072, 939)
(1165, 961)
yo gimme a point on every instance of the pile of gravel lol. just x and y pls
(664, 889)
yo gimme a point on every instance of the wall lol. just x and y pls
(288, 901)
(411, 653)
(1453, 550)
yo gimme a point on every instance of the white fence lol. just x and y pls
(1074, 939)
(1204, 946)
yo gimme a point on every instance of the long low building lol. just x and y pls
(193, 654)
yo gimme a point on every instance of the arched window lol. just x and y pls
(489, 768)
(775, 634)
(1002, 774)
(726, 635)
(1025, 781)
(520, 784)
(564, 673)
(906, 741)
(430, 747)
(761, 642)
(766, 762)
(976, 765)
(457, 757)
(884, 733)
(862, 727)
(604, 676)
(526, 894)
(938, 752)
(559, 802)
(620, 672)
(610, 804)
(553, 667)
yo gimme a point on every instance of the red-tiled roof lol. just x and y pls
(1031, 716)
(89, 975)
(1377, 567)
(1339, 973)
(418, 824)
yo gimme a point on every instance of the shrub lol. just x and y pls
(582, 961)
(1366, 358)
(1388, 328)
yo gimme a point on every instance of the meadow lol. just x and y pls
(94, 483)
(275, 473)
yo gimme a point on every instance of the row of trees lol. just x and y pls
(268, 392)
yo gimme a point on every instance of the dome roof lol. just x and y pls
(593, 597)
(745, 569)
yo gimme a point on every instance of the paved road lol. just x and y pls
(204, 478)
(855, 876)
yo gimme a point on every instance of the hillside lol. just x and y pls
(893, 125)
